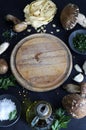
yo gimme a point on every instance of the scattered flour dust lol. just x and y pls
(6, 107)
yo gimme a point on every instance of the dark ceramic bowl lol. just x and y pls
(8, 123)
(70, 40)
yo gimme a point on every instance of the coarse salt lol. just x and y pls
(6, 107)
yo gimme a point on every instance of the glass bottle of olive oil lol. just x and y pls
(39, 115)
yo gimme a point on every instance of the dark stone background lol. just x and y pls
(55, 96)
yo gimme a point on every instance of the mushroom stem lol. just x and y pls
(19, 25)
(83, 90)
(81, 19)
(13, 19)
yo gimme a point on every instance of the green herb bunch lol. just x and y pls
(6, 82)
(61, 120)
(8, 35)
(13, 115)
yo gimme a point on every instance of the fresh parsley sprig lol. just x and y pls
(8, 35)
(6, 82)
(60, 120)
(13, 115)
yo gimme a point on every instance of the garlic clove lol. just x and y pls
(3, 47)
(84, 67)
(77, 68)
(78, 78)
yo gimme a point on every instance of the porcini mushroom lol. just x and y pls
(3, 66)
(19, 26)
(75, 104)
(70, 16)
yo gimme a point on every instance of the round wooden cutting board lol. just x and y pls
(41, 62)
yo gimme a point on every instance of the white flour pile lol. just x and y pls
(6, 107)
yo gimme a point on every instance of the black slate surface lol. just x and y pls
(55, 96)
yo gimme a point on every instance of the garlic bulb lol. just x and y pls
(77, 68)
(84, 67)
(78, 78)
(3, 47)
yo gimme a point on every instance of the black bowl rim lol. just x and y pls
(8, 123)
(70, 40)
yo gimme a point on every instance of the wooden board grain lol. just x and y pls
(41, 62)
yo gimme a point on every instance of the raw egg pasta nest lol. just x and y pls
(39, 12)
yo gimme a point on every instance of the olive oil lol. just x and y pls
(39, 115)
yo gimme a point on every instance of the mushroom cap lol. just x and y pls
(69, 16)
(75, 105)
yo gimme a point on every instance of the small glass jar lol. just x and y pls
(39, 115)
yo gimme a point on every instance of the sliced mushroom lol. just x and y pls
(19, 26)
(75, 104)
(70, 16)
(3, 47)
(72, 88)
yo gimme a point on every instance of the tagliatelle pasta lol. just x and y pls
(39, 12)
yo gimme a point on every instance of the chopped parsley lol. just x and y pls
(79, 42)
